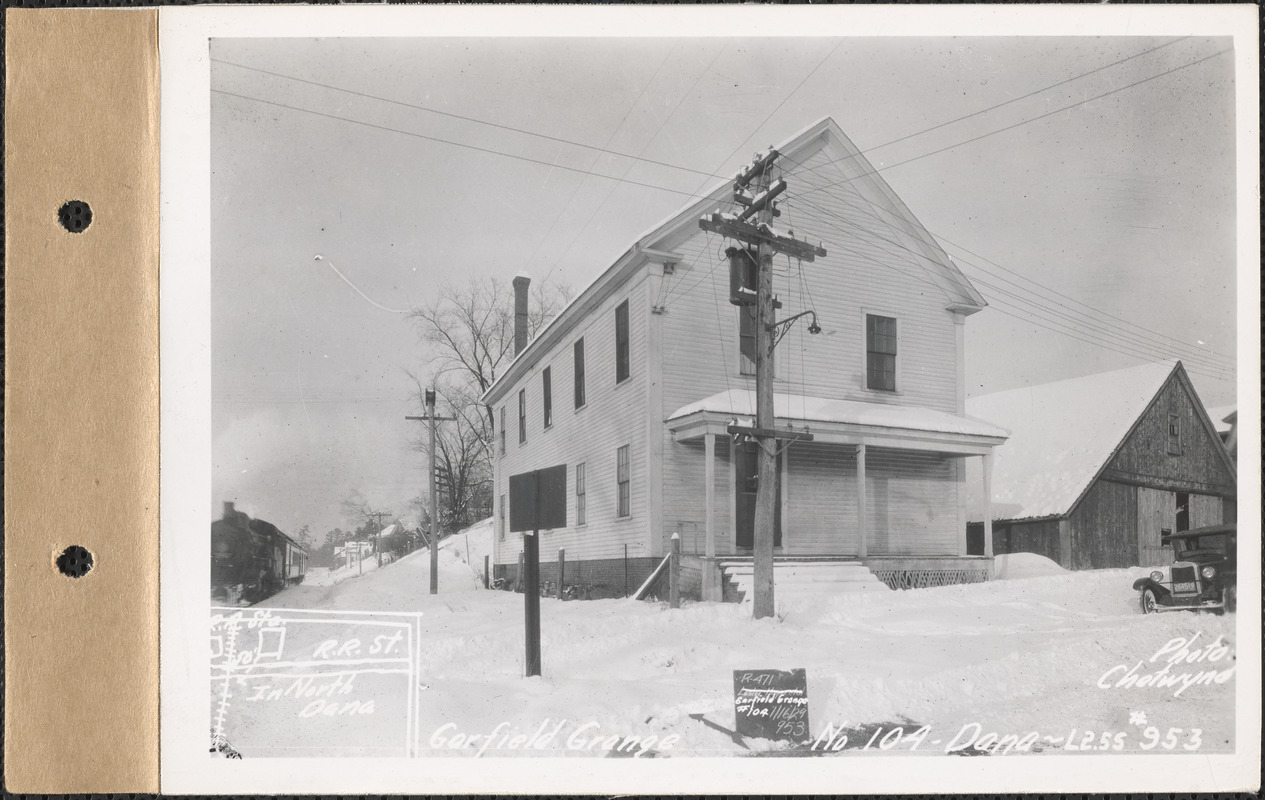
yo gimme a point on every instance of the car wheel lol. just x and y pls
(1148, 601)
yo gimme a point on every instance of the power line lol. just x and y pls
(1024, 122)
(1045, 314)
(372, 302)
(557, 139)
(611, 138)
(465, 145)
(1001, 104)
(1192, 352)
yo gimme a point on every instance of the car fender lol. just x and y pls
(1149, 583)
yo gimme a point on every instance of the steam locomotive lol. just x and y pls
(252, 559)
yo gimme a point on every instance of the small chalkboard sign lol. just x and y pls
(772, 704)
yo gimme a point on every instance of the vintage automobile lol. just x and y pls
(1203, 575)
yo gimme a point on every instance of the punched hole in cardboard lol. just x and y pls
(74, 561)
(75, 216)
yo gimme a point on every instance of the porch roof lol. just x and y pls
(843, 421)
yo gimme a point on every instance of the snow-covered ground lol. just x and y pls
(1038, 651)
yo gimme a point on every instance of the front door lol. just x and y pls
(747, 480)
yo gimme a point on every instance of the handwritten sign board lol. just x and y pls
(538, 499)
(291, 682)
(771, 704)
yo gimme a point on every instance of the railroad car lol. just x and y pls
(252, 559)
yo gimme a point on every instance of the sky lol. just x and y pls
(1101, 236)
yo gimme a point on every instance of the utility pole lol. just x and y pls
(434, 494)
(758, 202)
(377, 521)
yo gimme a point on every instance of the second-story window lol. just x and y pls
(546, 380)
(579, 373)
(522, 416)
(502, 430)
(880, 353)
(622, 367)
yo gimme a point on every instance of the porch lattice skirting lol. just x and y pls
(927, 578)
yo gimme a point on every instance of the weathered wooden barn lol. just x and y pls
(1098, 468)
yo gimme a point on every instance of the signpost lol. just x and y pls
(538, 499)
(771, 704)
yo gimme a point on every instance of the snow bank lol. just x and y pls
(471, 545)
(1012, 566)
(1012, 655)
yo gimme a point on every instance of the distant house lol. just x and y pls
(1098, 468)
(632, 387)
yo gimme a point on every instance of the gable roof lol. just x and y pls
(655, 245)
(1062, 435)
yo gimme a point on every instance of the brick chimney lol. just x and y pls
(521, 282)
(228, 509)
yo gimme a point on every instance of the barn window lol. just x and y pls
(581, 494)
(623, 483)
(880, 353)
(622, 367)
(579, 373)
(1174, 435)
(546, 380)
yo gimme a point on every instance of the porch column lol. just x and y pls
(988, 505)
(861, 511)
(709, 493)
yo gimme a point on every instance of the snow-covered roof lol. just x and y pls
(1062, 434)
(741, 402)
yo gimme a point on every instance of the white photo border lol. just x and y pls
(186, 409)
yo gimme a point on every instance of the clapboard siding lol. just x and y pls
(860, 275)
(821, 513)
(911, 502)
(612, 416)
(684, 497)
(914, 501)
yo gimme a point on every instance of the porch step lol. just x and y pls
(798, 579)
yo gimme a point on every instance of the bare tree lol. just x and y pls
(469, 330)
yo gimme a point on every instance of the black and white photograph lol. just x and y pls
(652, 386)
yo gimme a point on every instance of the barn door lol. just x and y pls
(1156, 514)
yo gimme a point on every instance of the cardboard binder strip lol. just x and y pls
(81, 415)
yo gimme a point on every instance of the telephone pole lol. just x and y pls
(378, 515)
(434, 494)
(758, 203)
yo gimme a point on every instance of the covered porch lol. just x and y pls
(878, 483)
